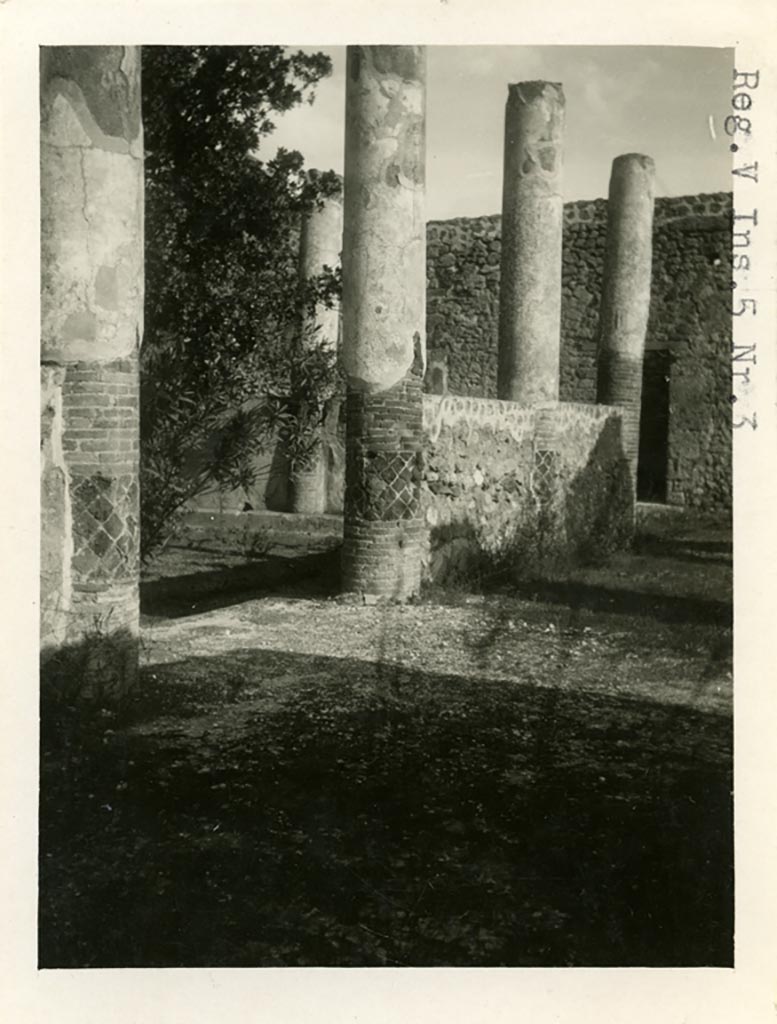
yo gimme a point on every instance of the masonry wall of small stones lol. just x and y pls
(509, 488)
(504, 488)
(689, 318)
(691, 321)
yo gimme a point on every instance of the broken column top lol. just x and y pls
(532, 223)
(534, 130)
(525, 92)
(407, 62)
(632, 179)
(639, 158)
(632, 170)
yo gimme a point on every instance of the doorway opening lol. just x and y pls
(653, 464)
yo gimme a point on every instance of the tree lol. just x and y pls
(221, 357)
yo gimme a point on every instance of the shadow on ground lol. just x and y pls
(691, 549)
(676, 609)
(272, 809)
(220, 585)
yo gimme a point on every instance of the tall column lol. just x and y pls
(91, 325)
(626, 293)
(384, 296)
(321, 241)
(532, 221)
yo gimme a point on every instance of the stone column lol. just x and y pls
(384, 296)
(91, 325)
(626, 293)
(321, 241)
(532, 220)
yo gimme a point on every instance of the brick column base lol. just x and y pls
(383, 532)
(620, 383)
(100, 441)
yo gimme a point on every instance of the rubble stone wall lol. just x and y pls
(521, 489)
(688, 317)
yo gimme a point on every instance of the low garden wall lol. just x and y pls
(506, 489)
(516, 489)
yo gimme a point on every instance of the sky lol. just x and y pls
(667, 102)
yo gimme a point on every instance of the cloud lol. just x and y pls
(619, 99)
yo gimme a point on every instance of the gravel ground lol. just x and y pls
(536, 775)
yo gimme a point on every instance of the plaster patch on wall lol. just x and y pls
(450, 410)
(94, 261)
(508, 488)
(56, 518)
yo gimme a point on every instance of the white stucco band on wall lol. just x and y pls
(508, 487)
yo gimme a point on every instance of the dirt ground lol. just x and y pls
(537, 774)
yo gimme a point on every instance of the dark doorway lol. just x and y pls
(654, 427)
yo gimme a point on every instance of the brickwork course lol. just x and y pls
(688, 334)
(91, 323)
(383, 529)
(426, 481)
(383, 319)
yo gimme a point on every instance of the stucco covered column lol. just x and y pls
(321, 241)
(384, 297)
(91, 325)
(532, 221)
(625, 304)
